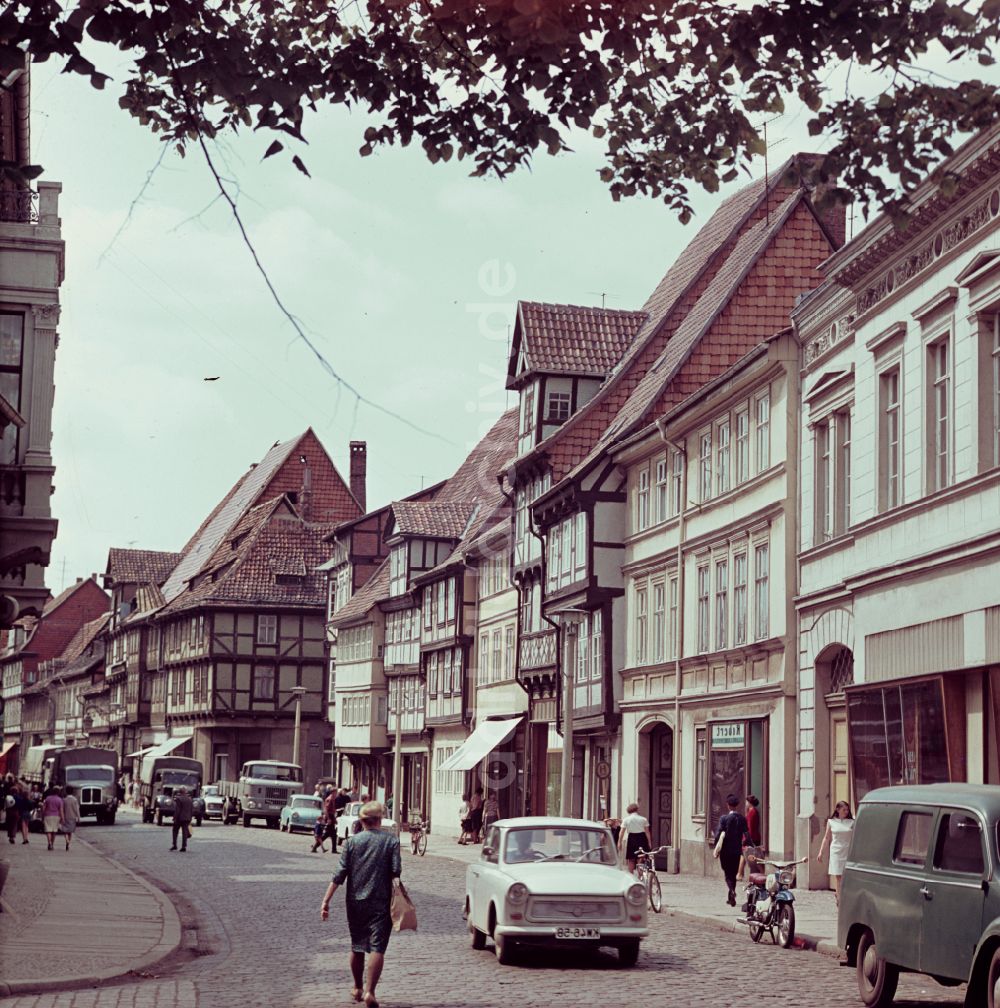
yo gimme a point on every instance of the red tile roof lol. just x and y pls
(83, 638)
(440, 519)
(365, 598)
(140, 566)
(571, 339)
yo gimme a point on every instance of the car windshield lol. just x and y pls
(266, 771)
(89, 775)
(353, 809)
(313, 803)
(559, 844)
(211, 791)
(179, 778)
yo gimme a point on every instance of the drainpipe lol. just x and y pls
(675, 819)
(793, 451)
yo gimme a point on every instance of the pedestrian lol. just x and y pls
(70, 814)
(491, 810)
(319, 835)
(634, 835)
(730, 837)
(52, 808)
(464, 824)
(476, 814)
(330, 815)
(13, 818)
(839, 828)
(370, 865)
(22, 807)
(183, 813)
(753, 829)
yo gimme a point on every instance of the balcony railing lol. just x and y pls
(537, 650)
(19, 206)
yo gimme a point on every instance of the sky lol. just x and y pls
(405, 274)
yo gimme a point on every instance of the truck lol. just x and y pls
(160, 777)
(34, 764)
(93, 775)
(261, 792)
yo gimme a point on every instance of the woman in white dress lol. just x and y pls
(839, 828)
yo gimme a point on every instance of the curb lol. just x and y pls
(168, 944)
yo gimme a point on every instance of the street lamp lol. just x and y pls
(298, 692)
(570, 618)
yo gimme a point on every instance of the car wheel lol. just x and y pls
(628, 953)
(877, 979)
(786, 925)
(655, 895)
(504, 950)
(246, 821)
(993, 982)
(159, 818)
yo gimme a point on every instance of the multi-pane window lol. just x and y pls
(450, 601)
(721, 604)
(11, 347)
(508, 662)
(555, 544)
(762, 601)
(568, 540)
(397, 570)
(526, 439)
(742, 445)
(843, 502)
(497, 665)
(740, 598)
(939, 395)
(763, 415)
(833, 475)
(661, 490)
(722, 456)
(559, 404)
(267, 629)
(659, 617)
(700, 769)
(484, 658)
(824, 481)
(596, 644)
(705, 465)
(890, 449)
(263, 682)
(582, 652)
(641, 629)
(580, 554)
(704, 608)
(672, 622)
(676, 482)
(642, 501)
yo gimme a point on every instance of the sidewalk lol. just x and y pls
(704, 899)
(75, 919)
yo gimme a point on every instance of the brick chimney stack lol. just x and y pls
(359, 471)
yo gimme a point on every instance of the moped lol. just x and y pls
(769, 900)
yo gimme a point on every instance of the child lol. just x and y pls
(319, 835)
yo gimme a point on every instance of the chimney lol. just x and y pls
(359, 471)
(305, 494)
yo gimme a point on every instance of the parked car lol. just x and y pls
(300, 813)
(921, 890)
(556, 883)
(214, 802)
(348, 819)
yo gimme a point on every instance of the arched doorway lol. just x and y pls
(834, 671)
(660, 778)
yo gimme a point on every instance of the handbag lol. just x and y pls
(401, 909)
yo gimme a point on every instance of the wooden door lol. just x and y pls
(839, 764)
(661, 783)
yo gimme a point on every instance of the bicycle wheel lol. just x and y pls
(413, 842)
(422, 844)
(655, 896)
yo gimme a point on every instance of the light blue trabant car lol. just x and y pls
(556, 883)
(300, 813)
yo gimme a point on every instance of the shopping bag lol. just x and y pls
(401, 910)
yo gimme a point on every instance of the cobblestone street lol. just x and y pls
(249, 902)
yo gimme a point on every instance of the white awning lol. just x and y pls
(139, 752)
(487, 736)
(165, 748)
(7, 748)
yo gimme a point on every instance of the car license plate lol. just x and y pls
(578, 932)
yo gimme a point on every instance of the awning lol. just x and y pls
(487, 736)
(139, 752)
(6, 749)
(165, 748)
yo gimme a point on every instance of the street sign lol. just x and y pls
(603, 770)
(728, 735)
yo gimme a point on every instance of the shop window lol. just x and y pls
(700, 770)
(11, 346)
(737, 764)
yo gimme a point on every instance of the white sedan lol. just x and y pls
(556, 883)
(348, 821)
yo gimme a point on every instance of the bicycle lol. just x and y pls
(645, 874)
(418, 837)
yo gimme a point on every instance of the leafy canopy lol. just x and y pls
(677, 90)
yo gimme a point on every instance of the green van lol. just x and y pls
(921, 890)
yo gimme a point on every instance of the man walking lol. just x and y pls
(732, 833)
(183, 814)
(330, 813)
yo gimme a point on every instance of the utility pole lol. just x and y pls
(297, 692)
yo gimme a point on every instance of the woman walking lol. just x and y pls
(70, 814)
(52, 807)
(633, 835)
(370, 864)
(839, 828)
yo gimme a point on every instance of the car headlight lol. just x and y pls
(517, 893)
(251, 804)
(295, 816)
(636, 894)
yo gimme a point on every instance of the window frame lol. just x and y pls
(703, 587)
(762, 430)
(890, 416)
(940, 425)
(762, 591)
(266, 620)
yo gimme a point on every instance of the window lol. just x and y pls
(263, 682)
(559, 406)
(959, 845)
(484, 658)
(672, 625)
(742, 445)
(761, 589)
(939, 413)
(889, 488)
(582, 651)
(441, 590)
(661, 490)
(763, 432)
(843, 503)
(428, 608)
(659, 615)
(994, 331)
(722, 456)
(740, 598)
(567, 552)
(721, 604)
(11, 347)
(642, 501)
(700, 769)
(397, 570)
(596, 644)
(526, 626)
(832, 437)
(267, 629)
(527, 435)
(676, 482)
(497, 666)
(705, 465)
(555, 541)
(580, 556)
(913, 838)
(824, 482)
(450, 603)
(704, 607)
(433, 684)
(508, 653)
(449, 674)
(641, 600)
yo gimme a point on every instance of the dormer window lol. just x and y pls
(557, 407)
(397, 570)
(526, 437)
